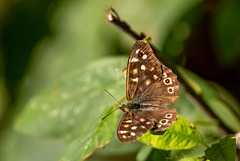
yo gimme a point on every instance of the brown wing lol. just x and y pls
(148, 80)
(162, 116)
(163, 92)
(132, 126)
(142, 65)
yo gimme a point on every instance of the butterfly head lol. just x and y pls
(124, 108)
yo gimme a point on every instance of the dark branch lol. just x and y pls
(113, 17)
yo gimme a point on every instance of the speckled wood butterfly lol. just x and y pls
(150, 88)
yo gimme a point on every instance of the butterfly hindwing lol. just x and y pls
(162, 116)
(132, 126)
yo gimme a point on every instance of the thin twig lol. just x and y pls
(114, 18)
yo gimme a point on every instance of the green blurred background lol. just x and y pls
(42, 40)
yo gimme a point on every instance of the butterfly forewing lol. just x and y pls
(132, 126)
(143, 69)
(163, 92)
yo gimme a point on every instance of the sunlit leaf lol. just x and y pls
(190, 159)
(182, 135)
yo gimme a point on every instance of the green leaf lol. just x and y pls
(219, 100)
(190, 159)
(226, 98)
(117, 148)
(86, 143)
(225, 150)
(143, 153)
(195, 152)
(182, 135)
(157, 155)
(72, 109)
(191, 110)
(15, 146)
(75, 105)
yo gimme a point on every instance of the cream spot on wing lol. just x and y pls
(148, 122)
(142, 119)
(151, 68)
(135, 71)
(143, 67)
(142, 126)
(135, 79)
(137, 51)
(164, 75)
(159, 126)
(167, 81)
(133, 134)
(124, 136)
(170, 90)
(126, 125)
(123, 132)
(135, 60)
(163, 121)
(127, 121)
(134, 127)
(148, 82)
(144, 56)
(168, 116)
(155, 77)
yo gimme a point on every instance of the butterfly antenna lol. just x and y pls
(108, 114)
(112, 96)
(113, 110)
